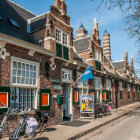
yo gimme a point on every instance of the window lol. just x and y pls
(128, 90)
(120, 86)
(21, 98)
(1, 19)
(14, 23)
(121, 90)
(24, 72)
(97, 55)
(108, 84)
(66, 75)
(97, 83)
(58, 35)
(62, 49)
(83, 86)
(65, 40)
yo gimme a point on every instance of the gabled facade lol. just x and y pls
(40, 62)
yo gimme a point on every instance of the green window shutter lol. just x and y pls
(96, 64)
(91, 90)
(58, 50)
(65, 53)
(99, 66)
(95, 96)
(5, 89)
(76, 103)
(40, 99)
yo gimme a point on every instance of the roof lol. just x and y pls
(81, 26)
(81, 44)
(10, 10)
(118, 64)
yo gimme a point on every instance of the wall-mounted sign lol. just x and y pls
(87, 104)
(56, 87)
(54, 80)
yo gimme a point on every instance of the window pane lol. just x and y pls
(31, 67)
(15, 72)
(19, 65)
(14, 64)
(23, 66)
(27, 66)
(13, 79)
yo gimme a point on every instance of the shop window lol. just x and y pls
(97, 83)
(24, 72)
(21, 98)
(82, 86)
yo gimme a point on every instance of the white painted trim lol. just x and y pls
(26, 62)
(25, 44)
(106, 44)
(47, 38)
(117, 61)
(90, 59)
(61, 21)
(106, 37)
(106, 41)
(66, 70)
(84, 50)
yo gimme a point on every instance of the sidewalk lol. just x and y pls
(67, 132)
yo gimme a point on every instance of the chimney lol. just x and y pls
(95, 29)
(106, 45)
(61, 5)
(81, 32)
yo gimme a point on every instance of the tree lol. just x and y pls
(131, 10)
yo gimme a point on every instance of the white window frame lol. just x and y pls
(67, 71)
(61, 40)
(98, 86)
(84, 85)
(97, 55)
(108, 84)
(120, 86)
(128, 87)
(25, 61)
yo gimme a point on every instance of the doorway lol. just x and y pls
(66, 102)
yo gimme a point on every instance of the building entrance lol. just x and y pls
(66, 102)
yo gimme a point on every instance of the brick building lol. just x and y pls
(40, 61)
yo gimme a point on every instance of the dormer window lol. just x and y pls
(1, 19)
(14, 23)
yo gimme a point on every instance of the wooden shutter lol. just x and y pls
(65, 53)
(59, 50)
(44, 99)
(75, 96)
(4, 98)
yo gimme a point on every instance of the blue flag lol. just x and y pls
(87, 74)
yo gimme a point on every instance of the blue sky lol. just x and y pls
(85, 11)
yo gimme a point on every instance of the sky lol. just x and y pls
(85, 11)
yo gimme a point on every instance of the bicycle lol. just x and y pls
(24, 128)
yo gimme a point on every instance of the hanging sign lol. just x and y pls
(87, 104)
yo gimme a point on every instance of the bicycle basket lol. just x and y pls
(31, 125)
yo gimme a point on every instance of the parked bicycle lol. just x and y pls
(27, 126)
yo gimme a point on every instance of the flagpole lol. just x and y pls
(80, 77)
